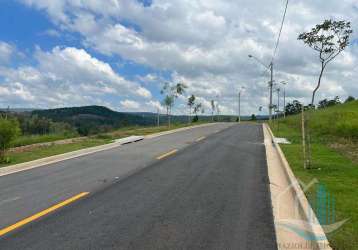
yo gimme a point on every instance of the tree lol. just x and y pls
(9, 130)
(329, 39)
(171, 92)
(197, 108)
(349, 99)
(191, 102)
(253, 117)
(328, 103)
(168, 102)
(212, 102)
(293, 108)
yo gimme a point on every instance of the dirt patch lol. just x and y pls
(45, 144)
(349, 149)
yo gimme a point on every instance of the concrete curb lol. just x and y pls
(66, 156)
(305, 208)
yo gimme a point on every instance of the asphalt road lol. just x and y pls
(211, 194)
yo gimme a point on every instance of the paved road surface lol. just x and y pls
(212, 194)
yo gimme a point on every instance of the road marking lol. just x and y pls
(9, 200)
(167, 154)
(200, 138)
(41, 214)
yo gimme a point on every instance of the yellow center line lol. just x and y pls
(167, 154)
(41, 214)
(200, 138)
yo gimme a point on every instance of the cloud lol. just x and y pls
(206, 43)
(52, 33)
(130, 105)
(6, 51)
(64, 77)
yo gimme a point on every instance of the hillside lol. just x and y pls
(337, 122)
(89, 118)
(94, 119)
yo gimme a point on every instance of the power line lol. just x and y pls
(279, 34)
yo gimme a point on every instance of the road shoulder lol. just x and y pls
(289, 202)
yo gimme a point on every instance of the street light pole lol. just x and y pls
(239, 106)
(278, 102)
(242, 88)
(284, 98)
(270, 67)
(158, 117)
(271, 85)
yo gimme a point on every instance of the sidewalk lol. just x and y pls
(290, 207)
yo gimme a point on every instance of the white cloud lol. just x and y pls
(66, 77)
(205, 43)
(6, 51)
(130, 105)
(52, 32)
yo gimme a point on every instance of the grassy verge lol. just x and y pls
(42, 152)
(32, 139)
(333, 167)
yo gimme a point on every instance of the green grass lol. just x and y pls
(333, 168)
(33, 139)
(41, 152)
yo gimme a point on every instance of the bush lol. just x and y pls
(9, 130)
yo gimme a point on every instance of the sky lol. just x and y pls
(119, 53)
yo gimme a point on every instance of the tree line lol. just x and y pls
(172, 91)
(295, 107)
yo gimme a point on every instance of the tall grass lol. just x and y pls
(340, 121)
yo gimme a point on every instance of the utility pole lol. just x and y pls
(270, 67)
(158, 117)
(242, 88)
(271, 85)
(278, 101)
(284, 98)
(239, 106)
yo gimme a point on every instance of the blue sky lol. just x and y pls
(30, 31)
(119, 53)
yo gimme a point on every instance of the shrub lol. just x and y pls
(9, 130)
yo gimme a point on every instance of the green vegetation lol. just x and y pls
(42, 152)
(32, 139)
(9, 130)
(334, 133)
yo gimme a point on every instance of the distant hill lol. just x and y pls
(90, 119)
(95, 119)
(17, 110)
